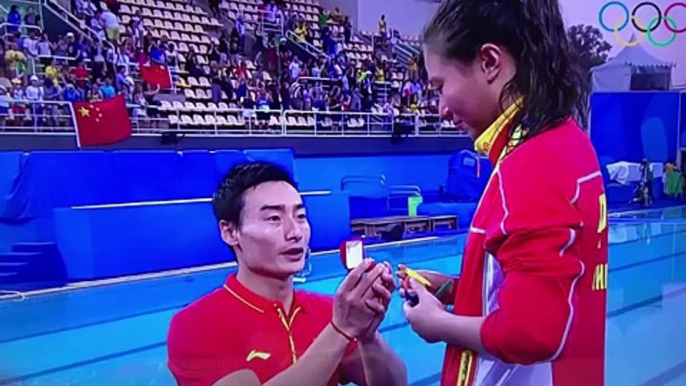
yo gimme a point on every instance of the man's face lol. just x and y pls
(274, 232)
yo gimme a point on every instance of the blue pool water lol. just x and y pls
(115, 334)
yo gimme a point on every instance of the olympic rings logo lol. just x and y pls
(646, 30)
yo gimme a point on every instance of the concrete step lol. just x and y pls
(18, 257)
(33, 246)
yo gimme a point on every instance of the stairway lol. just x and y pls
(303, 49)
(30, 266)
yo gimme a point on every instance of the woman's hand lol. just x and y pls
(436, 279)
(424, 314)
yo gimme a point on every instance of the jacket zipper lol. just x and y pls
(287, 325)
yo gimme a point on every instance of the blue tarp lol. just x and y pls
(635, 125)
(32, 185)
(10, 165)
(468, 174)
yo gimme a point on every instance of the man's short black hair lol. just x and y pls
(227, 201)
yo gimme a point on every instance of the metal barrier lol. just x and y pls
(309, 48)
(23, 28)
(28, 116)
(269, 24)
(39, 117)
(329, 123)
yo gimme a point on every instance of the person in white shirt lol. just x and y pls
(5, 100)
(294, 68)
(44, 48)
(111, 24)
(34, 94)
(31, 45)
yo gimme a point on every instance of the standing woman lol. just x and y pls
(529, 306)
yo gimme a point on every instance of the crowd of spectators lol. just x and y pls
(103, 63)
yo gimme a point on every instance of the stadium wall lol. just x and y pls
(113, 213)
(302, 146)
(631, 126)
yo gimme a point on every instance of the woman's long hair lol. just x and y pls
(547, 77)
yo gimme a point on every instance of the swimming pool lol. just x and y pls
(115, 334)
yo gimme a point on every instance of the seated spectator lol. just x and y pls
(34, 94)
(216, 81)
(107, 90)
(192, 65)
(13, 20)
(52, 93)
(158, 54)
(72, 94)
(19, 106)
(73, 47)
(31, 18)
(172, 57)
(5, 100)
(122, 80)
(84, 9)
(61, 48)
(95, 93)
(44, 47)
(15, 61)
(31, 44)
(97, 26)
(97, 59)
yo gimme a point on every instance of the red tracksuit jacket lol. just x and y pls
(535, 265)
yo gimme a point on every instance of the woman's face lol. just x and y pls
(470, 92)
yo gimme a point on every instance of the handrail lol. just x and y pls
(215, 121)
(22, 25)
(356, 179)
(403, 50)
(309, 48)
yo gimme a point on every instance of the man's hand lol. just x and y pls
(355, 306)
(383, 289)
(422, 316)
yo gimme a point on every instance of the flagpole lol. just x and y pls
(76, 126)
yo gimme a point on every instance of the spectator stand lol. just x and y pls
(20, 16)
(62, 9)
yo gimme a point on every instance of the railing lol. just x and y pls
(23, 28)
(309, 48)
(29, 116)
(26, 3)
(270, 25)
(46, 117)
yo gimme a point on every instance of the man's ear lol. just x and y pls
(229, 233)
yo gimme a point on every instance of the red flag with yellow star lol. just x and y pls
(156, 75)
(102, 123)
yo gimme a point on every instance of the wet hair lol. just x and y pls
(547, 76)
(228, 201)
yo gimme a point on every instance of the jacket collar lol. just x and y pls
(493, 140)
(254, 301)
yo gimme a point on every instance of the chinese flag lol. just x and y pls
(102, 123)
(156, 75)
